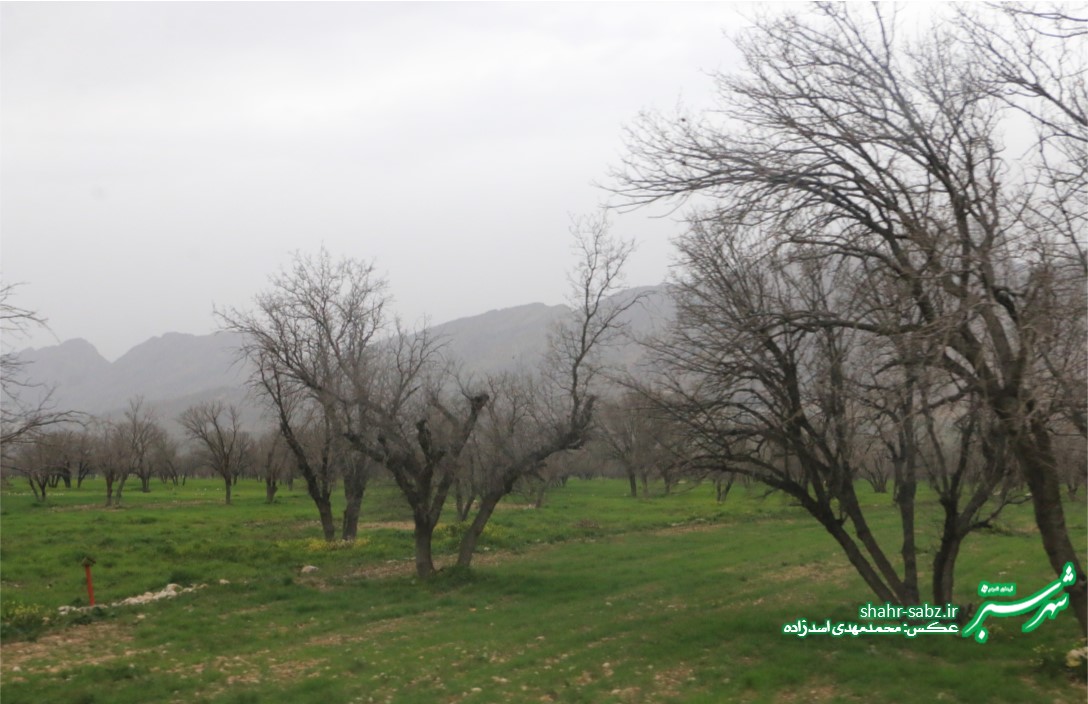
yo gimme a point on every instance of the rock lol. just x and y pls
(309, 569)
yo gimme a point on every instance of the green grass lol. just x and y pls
(596, 597)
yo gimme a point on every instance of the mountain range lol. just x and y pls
(176, 370)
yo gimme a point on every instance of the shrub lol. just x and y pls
(22, 621)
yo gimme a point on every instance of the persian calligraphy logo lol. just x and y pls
(1045, 603)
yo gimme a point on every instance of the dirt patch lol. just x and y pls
(92, 644)
(813, 572)
(137, 507)
(388, 525)
(366, 632)
(811, 693)
(407, 568)
(688, 528)
(670, 681)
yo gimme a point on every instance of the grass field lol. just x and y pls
(596, 597)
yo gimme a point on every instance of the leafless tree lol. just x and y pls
(308, 433)
(623, 432)
(847, 140)
(219, 437)
(311, 342)
(164, 457)
(38, 459)
(412, 431)
(25, 406)
(111, 458)
(140, 434)
(78, 447)
(321, 338)
(535, 417)
(273, 460)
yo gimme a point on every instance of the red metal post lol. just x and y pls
(87, 562)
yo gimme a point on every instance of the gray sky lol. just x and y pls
(159, 158)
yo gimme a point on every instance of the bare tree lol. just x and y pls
(531, 419)
(38, 459)
(218, 434)
(273, 459)
(140, 434)
(78, 448)
(847, 140)
(645, 443)
(164, 457)
(111, 458)
(311, 342)
(25, 406)
(413, 432)
(307, 431)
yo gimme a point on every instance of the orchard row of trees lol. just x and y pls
(137, 446)
(352, 392)
(345, 378)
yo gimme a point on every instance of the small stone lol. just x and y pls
(309, 569)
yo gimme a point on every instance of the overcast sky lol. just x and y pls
(161, 158)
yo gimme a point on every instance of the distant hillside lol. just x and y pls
(177, 370)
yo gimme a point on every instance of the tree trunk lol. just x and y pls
(944, 562)
(354, 489)
(848, 500)
(270, 488)
(1033, 448)
(905, 492)
(109, 490)
(468, 542)
(883, 591)
(227, 482)
(424, 563)
(328, 524)
(145, 484)
(722, 487)
(634, 483)
(350, 526)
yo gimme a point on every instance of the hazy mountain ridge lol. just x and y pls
(176, 370)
